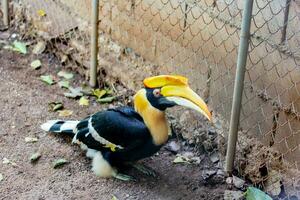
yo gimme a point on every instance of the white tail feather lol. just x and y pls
(67, 125)
(46, 126)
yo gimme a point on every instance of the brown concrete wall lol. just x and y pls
(200, 39)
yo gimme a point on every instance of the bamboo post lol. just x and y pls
(238, 85)
(5, 12)
(285, 21)
(94, 43)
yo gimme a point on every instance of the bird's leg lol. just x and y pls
(124, 177)
(142, 168)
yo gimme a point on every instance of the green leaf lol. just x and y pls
(74, 92)
(19, 47)
(108, 91)
(106, 100)
(35, 157)
(114, 197)
(98, 93)
(65, 74)
(31, 139)
(65, 113)
(253, 193)
(55, 106)
(36, 64)
(64, 84)
(59, 162)
(83, 101)
(47, 79)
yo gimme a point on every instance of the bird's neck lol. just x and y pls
(154, 119)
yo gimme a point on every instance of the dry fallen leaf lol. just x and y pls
(47, 79)
(66, 75)
(65, 113)
(83, 101)
(35, 157)
(64, 84)
(106, 100)
(55, 106)
(36, 64)
(41, 12)
(39, 47)
(181, 159)
(74, 92)
(31, 139)
(6, 161)
(59, 162)
(98, 93)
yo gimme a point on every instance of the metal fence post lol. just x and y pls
(94, 43)
(5, 13)
(238, 85)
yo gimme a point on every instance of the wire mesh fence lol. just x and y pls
(199, 39)
(56, 27)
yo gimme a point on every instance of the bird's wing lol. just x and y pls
(117, 129)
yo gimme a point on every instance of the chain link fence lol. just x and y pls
(200, 39)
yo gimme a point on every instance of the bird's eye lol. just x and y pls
(156, 92)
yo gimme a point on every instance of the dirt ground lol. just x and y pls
(24, 106)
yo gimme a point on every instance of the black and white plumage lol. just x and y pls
(102, 133)
(117, 136)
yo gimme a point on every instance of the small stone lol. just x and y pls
(237, 182)
(233, 195)
(4, 35)
(188, 154)
(273, 183)
(196, 159)
(173, 146)
(206, 174)
(229, 180)
(5, 161)
(207, 146)
(211, 131)
(68, 173)
(13, 36)
(214, 157)
(221, 173)
(31, 139)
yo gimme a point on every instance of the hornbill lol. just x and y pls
(124, 135)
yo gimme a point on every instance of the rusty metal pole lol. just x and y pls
(94, 43)
(238, 85)
(5, 11)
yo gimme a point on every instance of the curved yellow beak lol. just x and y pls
(185, 96)
(175, 88)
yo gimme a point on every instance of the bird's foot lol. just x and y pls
(145, 170)
(124, 177)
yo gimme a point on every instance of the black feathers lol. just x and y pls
(120, 134)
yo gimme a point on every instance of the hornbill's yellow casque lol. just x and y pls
(123, 135)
